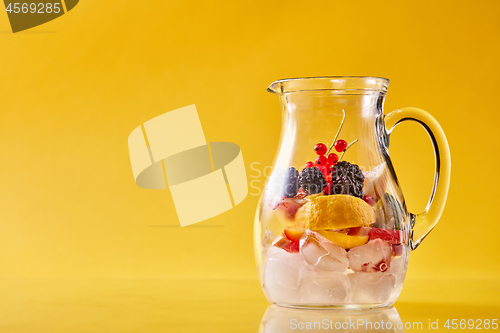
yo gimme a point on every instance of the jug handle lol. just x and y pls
(423, 223)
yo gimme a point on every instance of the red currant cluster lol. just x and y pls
(325, 163)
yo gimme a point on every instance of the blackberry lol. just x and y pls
(291, 183)
(312, 180)
(348, 179)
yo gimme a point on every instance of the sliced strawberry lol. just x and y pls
(286, 244)
(281, 241)
(397, 249)
(292, 247)
(389, 235)
(359, 231)
(354, 231)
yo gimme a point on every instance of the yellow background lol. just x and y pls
(73, 89)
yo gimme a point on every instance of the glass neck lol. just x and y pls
(323, 110)
(311, 117)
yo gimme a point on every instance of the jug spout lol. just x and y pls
(275, 87)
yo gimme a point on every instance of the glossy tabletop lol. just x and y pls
(161, 305)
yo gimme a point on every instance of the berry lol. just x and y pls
(312, 180)
(324, 170)
(328, 174)
(332, 158)
(321, 160)
(309, 164)
(340, 145)
(292, 247)
(329, 188)
(348, 179)
(388, 235)
(369, 200)
(291, 183)
(320, 149)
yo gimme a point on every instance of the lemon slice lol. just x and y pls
(345, 241)
(335, 212)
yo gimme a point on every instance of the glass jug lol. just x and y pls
(332, 228)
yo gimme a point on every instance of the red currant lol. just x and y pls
(329, 188)
(333, 159)
(321, 160)
(329, 169)
(369, 200)
(320, 149)
(309, 164)
(340, 145)
(324, 170)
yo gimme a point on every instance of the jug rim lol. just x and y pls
(350, 84)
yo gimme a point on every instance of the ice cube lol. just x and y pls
(376, 181)
(282, 274)
(323, 290)
(267, 241)
(323, 254)
(398, 269)
(374, 256)
(289, 268)
(272, 250)
(373, 175)
(371, 287)
(398, 265)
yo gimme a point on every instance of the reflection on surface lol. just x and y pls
(279, 319)
(156, 305)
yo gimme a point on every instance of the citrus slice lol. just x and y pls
(345, 241)
(335, 212)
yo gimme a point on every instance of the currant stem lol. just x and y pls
(340, 159)
(338, 132)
